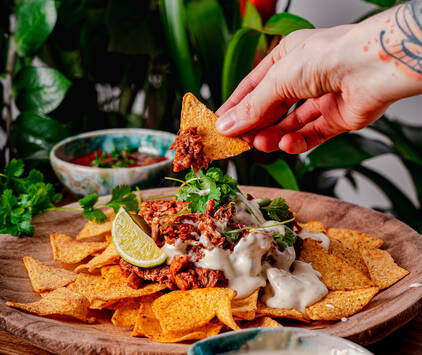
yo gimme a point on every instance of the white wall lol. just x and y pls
(327, 13)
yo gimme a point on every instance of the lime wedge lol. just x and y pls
(133, 244)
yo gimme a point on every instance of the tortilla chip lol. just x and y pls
(112, 274)
(95, 287)
(350, 256)
(382, 268)
(151, 328)
(191, 309)
(70, 251)
(245, 308)
(338, 304)
(354, 239)
(336, 274)
(93, 229)
(262, 322)
(107, 257)
(125, 314)
(224, 313)
(61, 302)
(216, 146)
(313, 227)
(281, 313)
(100, 304)
(46, 278)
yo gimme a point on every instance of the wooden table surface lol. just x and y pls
(407, 340)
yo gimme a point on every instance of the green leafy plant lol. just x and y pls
(70, 66)
(22, 198)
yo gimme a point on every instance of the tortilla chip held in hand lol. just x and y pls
(199, 141)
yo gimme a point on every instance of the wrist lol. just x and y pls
(373, 54)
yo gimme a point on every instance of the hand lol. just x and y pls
(346, 84)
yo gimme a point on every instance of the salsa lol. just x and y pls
(126, 158)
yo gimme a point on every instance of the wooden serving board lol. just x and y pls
(389, 310)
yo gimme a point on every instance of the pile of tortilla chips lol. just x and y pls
(354, 269)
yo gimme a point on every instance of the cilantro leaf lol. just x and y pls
(14, 169)
(213, 185)
(89, 211)
(286, 240)
(88, 201)
(277, 209)
(122, 195)
(94, 214)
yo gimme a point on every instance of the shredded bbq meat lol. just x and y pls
(159, 208)
(225, 213)
(181, 274)
(209, 208)
(189, 151)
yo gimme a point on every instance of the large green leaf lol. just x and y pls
(407, 139)
(40, 89)
(173, 20)
(402, 205)
(281, 172)
(383, 3)
(210, 35)
(239, 59)
(252, 17)
(35, 20)
(132, 27)
(343, 151)
(36, 135)
(285, 23)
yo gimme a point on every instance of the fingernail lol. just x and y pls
(224, 123)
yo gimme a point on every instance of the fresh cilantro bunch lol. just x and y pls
(201, 187)
(22, 198)
(277, 209)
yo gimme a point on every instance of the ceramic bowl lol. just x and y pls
(285, 340)
(84, 180)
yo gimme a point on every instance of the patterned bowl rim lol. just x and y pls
(295, 331)
(112, 132)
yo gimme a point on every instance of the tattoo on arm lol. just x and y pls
(408, 49)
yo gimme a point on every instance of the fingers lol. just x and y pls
(309, 137)
(268, 139)
(250, 82)
(261, 107)
(300, 133)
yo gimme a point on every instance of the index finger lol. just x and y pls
(249, 82)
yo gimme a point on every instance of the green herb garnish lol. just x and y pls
(199, 188)
(286, 240)
(22, 198)
(234, 234)
(277, 209)
(116, 159)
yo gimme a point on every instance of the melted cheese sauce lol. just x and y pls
(256, 261)
(296, 289)
(320, 237)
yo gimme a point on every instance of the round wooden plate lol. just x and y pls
(389, 310)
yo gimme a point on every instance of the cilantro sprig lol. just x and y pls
(276, 209)
(22, 198)
(201, 187)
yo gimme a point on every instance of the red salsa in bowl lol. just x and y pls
(126, 158)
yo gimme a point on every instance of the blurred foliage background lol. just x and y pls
(69, 66)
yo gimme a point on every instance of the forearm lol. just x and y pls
(386, 50)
